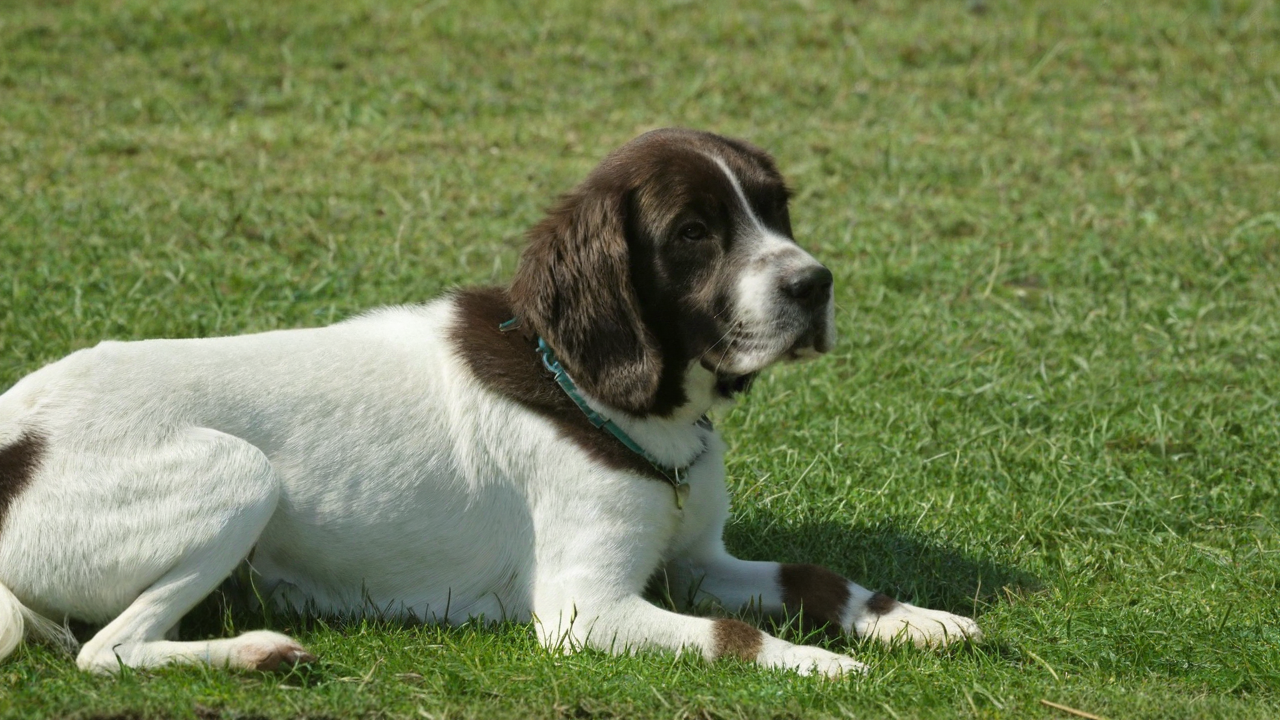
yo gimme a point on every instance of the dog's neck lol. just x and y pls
(675, 439)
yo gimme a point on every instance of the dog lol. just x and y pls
(535, 453)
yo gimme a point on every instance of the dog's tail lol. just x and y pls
(17, 621)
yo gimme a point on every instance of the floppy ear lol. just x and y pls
(574, 288)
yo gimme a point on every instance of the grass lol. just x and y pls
(1055, 230)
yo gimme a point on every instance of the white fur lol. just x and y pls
(907, 623)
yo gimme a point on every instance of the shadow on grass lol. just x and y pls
(905, 564)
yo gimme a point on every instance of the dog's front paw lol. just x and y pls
(807, 660)
(922, 627)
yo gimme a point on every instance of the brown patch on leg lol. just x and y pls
(819, 594)
(879, 604)
(18, 464)
(734, 638)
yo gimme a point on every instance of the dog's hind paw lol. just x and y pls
(269, 652)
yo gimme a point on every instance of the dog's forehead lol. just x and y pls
(670, 169)
(694, 158)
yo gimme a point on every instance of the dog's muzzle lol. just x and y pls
(809, 289)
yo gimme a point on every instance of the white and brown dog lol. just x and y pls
(533, 453)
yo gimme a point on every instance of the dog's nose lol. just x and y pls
(811, 285)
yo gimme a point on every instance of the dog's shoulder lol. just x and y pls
(505, 361)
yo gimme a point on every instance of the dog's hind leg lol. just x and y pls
(137, 637)
(139, 535)
(246, 496)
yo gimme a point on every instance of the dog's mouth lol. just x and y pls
(728, 385)
(736, 365)
(809, 345)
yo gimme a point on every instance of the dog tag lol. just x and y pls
(682, 494)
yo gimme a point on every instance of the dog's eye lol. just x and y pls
(693, 231)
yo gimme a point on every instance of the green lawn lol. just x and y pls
(1056, 237)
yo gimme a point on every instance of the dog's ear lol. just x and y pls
(574, 287)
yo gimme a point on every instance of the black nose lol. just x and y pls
(811, 286)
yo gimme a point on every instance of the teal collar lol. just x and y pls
(677, 476)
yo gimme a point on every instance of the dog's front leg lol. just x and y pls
(819, 595)
(630, 623)
(595, 550)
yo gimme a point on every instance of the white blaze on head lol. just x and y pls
(760, 305)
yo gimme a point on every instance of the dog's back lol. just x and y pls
(351, 439)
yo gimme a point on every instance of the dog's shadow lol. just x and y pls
(885, 556)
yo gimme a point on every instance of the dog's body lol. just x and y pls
(420, 460)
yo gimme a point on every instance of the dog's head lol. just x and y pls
(675, 252)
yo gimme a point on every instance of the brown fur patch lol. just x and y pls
(508, 363)
(18, 464)
(574, 286)
(734, 638)
(819, 594)
(880, 604)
